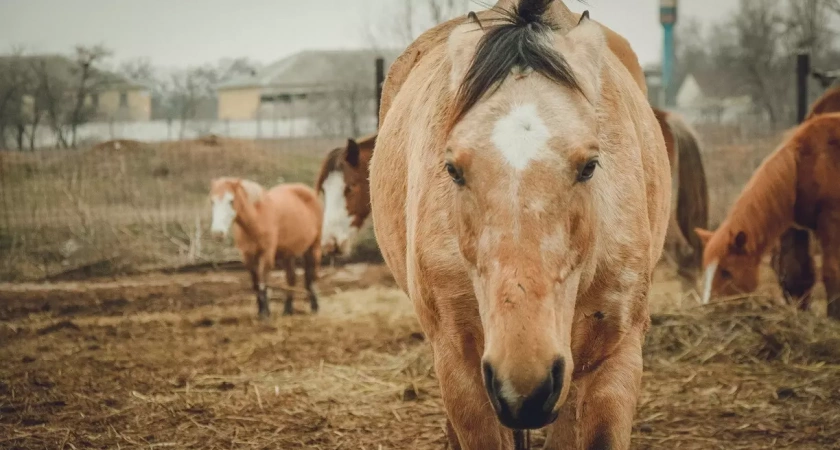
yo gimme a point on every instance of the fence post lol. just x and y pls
(380, 78)
(803, 69)
(793, 264)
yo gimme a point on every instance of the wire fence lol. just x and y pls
(129, 205)
(126, 205)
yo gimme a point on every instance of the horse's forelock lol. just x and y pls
(515, 38)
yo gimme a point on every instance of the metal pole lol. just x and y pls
(668, 64)
(803, 69)
(380, 79)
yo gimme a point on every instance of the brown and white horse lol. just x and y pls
(795, 185)
(345, 192)
(269, 227)
(520, 196)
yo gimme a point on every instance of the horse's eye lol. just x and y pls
(455, 173)
(346, 190)
(725, 274)
(587, 170)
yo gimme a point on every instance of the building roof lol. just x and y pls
(315, 68)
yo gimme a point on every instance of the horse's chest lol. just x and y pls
(603, 316)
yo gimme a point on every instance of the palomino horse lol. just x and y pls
(795, 185)
(520, 196)
(344, 188)
(791, 259)
(343, 181)
(270, 227)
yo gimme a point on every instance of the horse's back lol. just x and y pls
(827, 103)
(295, 209)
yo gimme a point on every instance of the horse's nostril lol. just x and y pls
(532, 411)
(557, 372)
(490, 385)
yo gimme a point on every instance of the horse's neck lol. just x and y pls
(247, 215)
(766, 207)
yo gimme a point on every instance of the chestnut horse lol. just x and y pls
(345, 192)
(520, 194)
(791, 259)
(270, 227)
(795, 185)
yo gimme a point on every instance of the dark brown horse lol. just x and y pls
(344, 189)
(690, 198)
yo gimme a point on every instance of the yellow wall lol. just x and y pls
(238, 104)
(139, 107)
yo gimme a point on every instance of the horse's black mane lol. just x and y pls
(520, 37)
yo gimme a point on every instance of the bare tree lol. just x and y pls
(14, 86)
(186, 92)
(50, 97)
(399, 25)
(88, 80)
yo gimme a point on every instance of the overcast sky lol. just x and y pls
(174, 33)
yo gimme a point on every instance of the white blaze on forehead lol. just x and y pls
(338, 223)
(521, 135)
(223, 213)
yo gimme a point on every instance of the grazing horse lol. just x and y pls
(791, 259)
(344, 188)
(520, 196)
(795, 185)
(690, 199)
(270, 227)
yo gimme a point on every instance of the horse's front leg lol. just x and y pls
(606, 403)
(264, 266)
(472, 423)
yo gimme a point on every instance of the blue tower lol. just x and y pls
(668, 18)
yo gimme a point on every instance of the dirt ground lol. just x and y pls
(181, 361)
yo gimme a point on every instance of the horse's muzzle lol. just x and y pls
(536, 410)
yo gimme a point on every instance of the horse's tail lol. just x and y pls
(693, 193)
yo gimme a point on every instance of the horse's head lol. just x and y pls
(343, 186)
(221, 199)
(730, 262)
(225, 192)
(522, 158)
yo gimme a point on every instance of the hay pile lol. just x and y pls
(743, 331)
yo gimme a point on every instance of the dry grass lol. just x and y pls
(180, 361)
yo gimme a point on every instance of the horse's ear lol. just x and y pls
(584, 47)
(352, 153)
(462, 42)
(704, 235)
(739, 242)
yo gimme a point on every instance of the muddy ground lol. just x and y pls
(180, 361)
